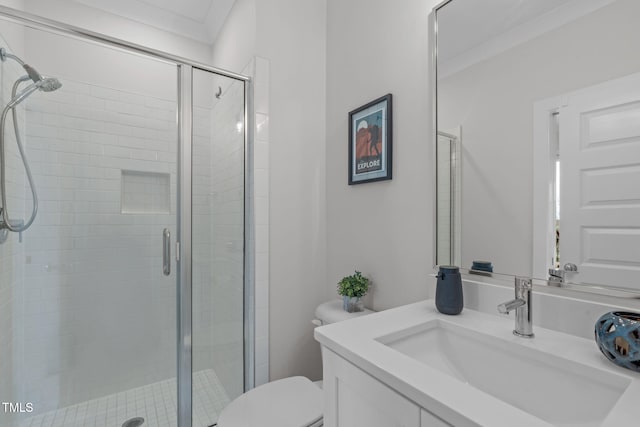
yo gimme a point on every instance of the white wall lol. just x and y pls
(383, 229)
(235, 45)
(493, 103)
(303, 160)
(64, 56)
(291, 34)
(77, 14)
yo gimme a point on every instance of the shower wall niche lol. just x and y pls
(145, 192)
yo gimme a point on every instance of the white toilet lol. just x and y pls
(289, 402)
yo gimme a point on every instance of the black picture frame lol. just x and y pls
(371, 141)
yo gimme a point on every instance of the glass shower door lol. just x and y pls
(90, 333)
(99, 300)
(218, 191)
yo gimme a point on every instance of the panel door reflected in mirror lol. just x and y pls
(546, 97)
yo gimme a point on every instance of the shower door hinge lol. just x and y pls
(177, 251)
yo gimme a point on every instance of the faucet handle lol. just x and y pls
(523, 288)
(524, 283)
(509, 306)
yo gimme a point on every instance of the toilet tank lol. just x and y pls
(332, 311)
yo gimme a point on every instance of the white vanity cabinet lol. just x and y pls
(412, 366)
(353, 398)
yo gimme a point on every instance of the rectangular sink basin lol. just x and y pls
(546, 386)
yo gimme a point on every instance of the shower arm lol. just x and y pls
(4, 55)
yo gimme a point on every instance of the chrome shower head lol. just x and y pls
(44, 84)
(49, 84)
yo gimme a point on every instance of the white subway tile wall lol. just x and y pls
(260, 215)
(99, 315)
(202, 273)
(11, 252)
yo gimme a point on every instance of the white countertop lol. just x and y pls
(447, 397)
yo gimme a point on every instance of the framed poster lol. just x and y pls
(370, 142)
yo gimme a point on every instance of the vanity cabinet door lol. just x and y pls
(427, 419)
(354, 398)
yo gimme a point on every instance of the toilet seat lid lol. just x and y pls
(290, 402)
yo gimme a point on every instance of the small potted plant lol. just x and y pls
(352, 288)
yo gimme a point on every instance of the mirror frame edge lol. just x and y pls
(433, 119)
(433, 95)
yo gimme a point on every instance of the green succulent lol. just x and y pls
(352, 286)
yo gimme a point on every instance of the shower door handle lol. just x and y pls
(166, 252)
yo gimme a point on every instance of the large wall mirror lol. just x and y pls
(538, 145)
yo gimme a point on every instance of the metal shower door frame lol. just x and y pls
(183, 253)
(184, 263)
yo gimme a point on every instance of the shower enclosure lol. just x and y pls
(127, 300)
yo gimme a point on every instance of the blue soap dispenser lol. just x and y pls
(449, 290)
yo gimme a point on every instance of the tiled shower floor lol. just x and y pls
(156, 403)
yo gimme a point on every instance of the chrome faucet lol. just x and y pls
(556, 277)
(522, 305)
